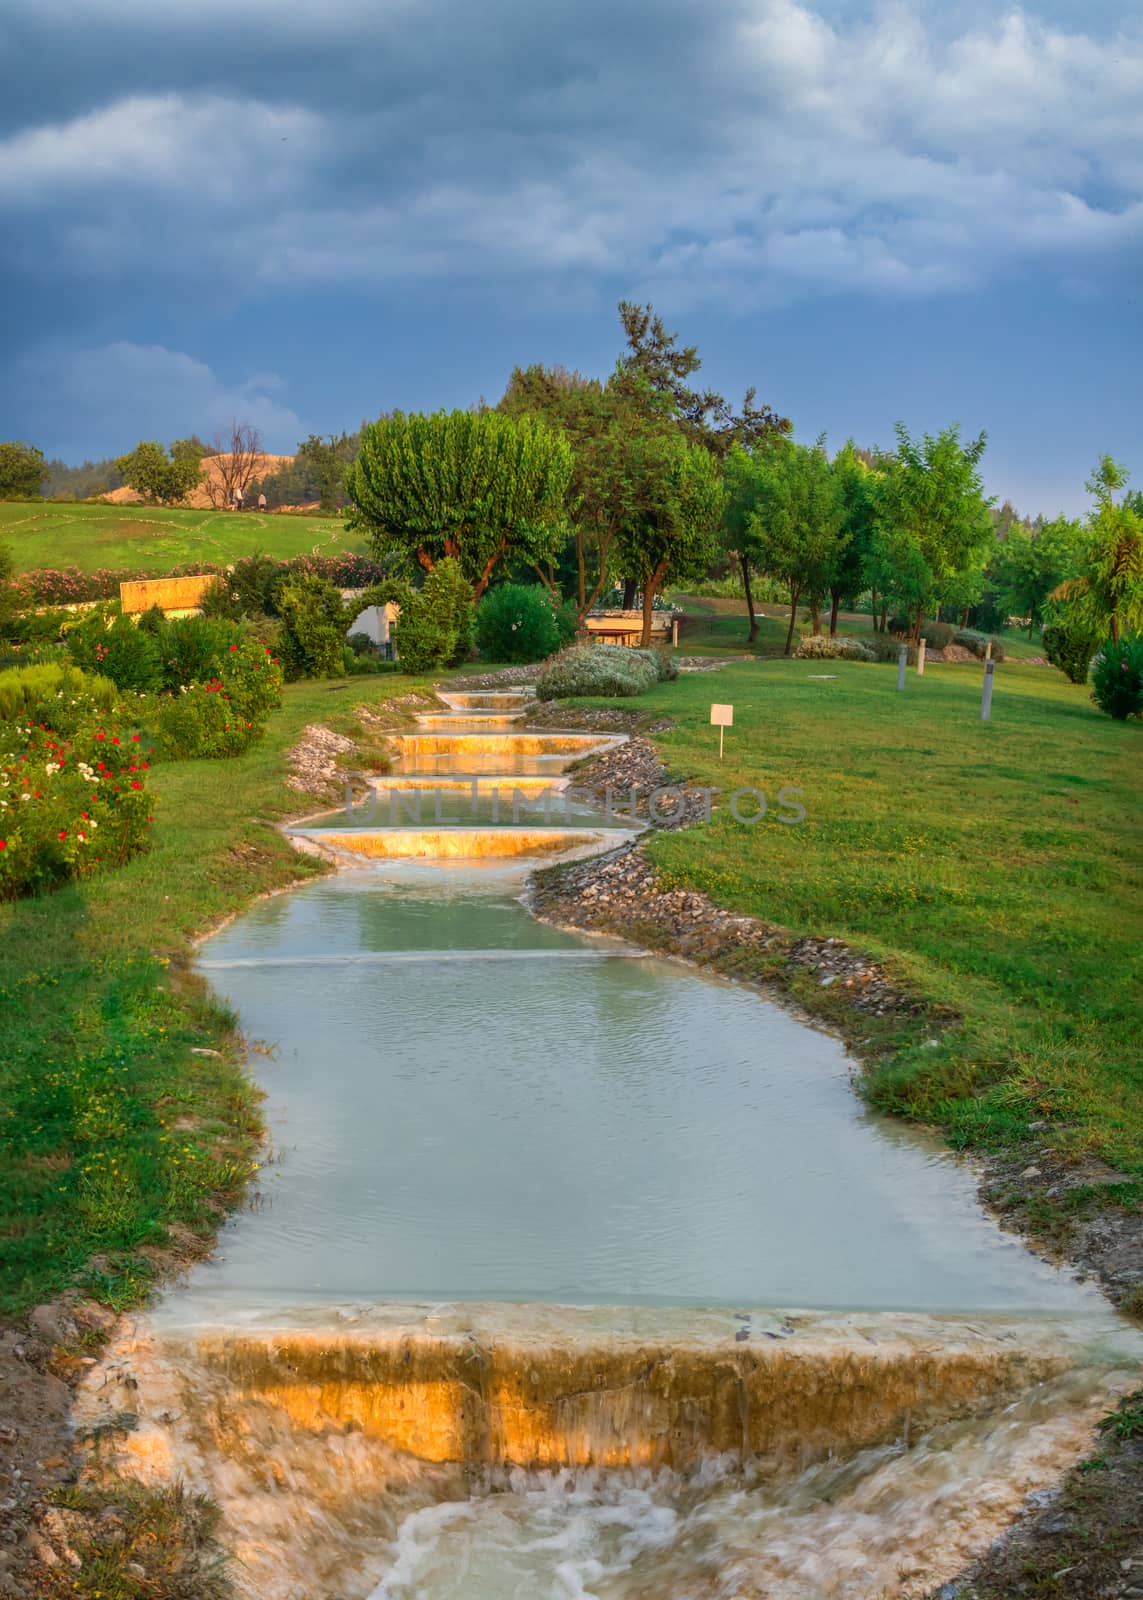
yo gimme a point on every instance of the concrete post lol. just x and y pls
(986, 697)
(988, 650)
(921, 659)
(902, 664)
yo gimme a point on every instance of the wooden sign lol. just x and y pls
(170, 594)
(722, 717)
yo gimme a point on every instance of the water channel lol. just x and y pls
(576, 1272)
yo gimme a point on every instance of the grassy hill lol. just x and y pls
(154, 539)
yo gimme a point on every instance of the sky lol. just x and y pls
(301, 216)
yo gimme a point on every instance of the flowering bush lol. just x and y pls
(67, 807)
(59, 696)
(61, 586)
(1117, 679)
(119, 650)
(223, 714)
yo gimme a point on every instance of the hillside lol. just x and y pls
(154, 539)
(198, 499)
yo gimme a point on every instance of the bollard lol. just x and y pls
(986, 697)
(988, 650)
(921, 659)
(902, 663)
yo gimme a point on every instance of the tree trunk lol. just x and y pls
(650, 589)
(1114, 628)
(753, 634)
(917, 624)
(815, 616)
(873, 607)
(794, 596)
(582, 572)
(629, 586)
(835, 604)
(964, 616)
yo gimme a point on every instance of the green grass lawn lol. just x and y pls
(111, 1130)
(716, 627)
(154, 538)
(997, 868)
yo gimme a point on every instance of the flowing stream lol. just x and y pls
(576, 1273)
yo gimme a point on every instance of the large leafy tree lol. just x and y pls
(1032, 562)
(478, 486)
(23, 470)
(857, 488)
(671, 517)
(794, 527)
(933, 519)
(1109, 589)
(159, 474)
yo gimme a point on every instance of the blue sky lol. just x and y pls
(304, 216)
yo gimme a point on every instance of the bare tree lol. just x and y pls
(236, 460)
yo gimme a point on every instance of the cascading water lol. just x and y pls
(502, 1322)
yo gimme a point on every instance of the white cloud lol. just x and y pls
(784, 154)
(123, 391)
(209, 146)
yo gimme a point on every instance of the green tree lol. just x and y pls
(325, 460)
(23, 470)
(1032, 562)
(1109, 589)
(480, 487)
(671, 519)
(314, 621)
(655, 364)
(434, 628)
(161, 475)
(795, 525)
(932, 521)
(857, 484)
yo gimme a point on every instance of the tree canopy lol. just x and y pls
(163, 475)
(671, 514)
(478, 486)
(933, 523)
(23, 470)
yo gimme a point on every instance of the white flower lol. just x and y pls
(52, 768)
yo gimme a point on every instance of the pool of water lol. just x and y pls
(465, 1104)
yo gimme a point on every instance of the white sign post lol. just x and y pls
(721, 717)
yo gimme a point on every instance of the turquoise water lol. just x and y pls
(468, 1105)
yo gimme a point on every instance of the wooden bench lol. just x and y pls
(626, 627)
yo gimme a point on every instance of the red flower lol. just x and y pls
(135, 738)
(234, 647)
(114, 740)
(3, 844)
(101, 736)
(135, 784)
(63, 833)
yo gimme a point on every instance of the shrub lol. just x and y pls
(194, 648)
(224, 714)
(1117, 678)
(517, 622)
(313, 623)
(567, 621)
(598, 669)
(435, 626)
(126, 654)
(1070, 644)
(978, 643)
(819, 648)
(67, 807)
(887, 649)
(59, 695)
(937, 634)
